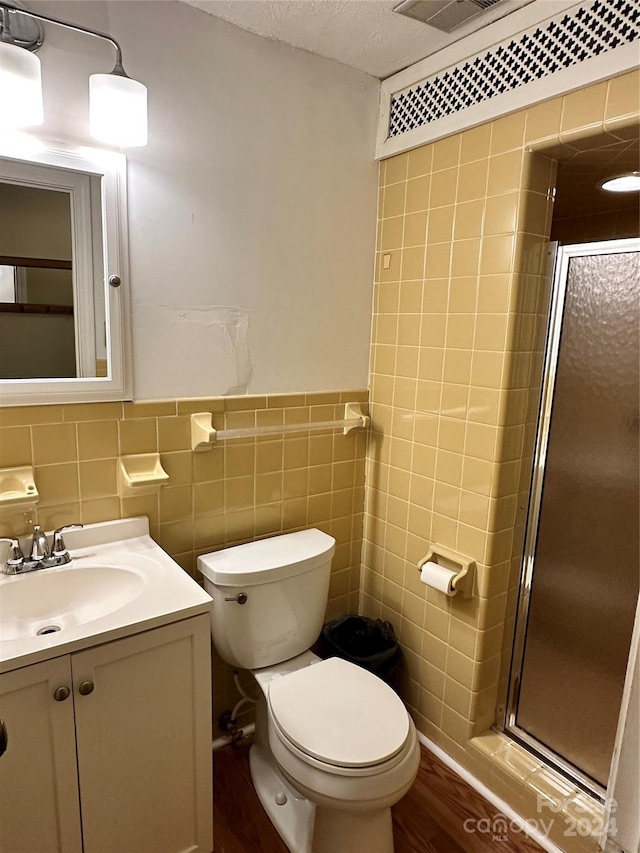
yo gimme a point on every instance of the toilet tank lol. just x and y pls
(269, 597)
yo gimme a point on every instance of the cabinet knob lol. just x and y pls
(85, 688)
(61, 693)
(4, 738)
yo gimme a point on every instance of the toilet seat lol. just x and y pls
(275, 732)
(337, 715)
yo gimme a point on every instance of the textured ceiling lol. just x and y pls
(364, 34)
(578, 191)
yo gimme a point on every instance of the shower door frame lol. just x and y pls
(564, 255)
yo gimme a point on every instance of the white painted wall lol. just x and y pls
(251, 211)
(622, 805)
(36, 223)
(53, 357)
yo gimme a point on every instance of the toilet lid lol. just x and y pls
(339, 713)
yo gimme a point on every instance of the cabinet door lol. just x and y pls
(144, 741)
(39, 809)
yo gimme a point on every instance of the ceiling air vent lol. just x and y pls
(445, 15)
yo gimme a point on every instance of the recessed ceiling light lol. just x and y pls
(628, 183)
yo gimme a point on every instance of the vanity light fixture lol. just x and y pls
(117, 104)
(627, 183)
(20, 87)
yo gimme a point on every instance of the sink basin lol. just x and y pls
(119, 582)
(52, 600)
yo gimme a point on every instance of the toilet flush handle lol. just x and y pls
(240, 598)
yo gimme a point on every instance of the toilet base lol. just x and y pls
(307, 828)
(352, 832)
(293, 818)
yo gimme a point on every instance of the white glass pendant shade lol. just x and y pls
(629, 183)
(20, 88)
(117, 110)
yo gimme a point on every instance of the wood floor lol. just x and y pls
(428, 820)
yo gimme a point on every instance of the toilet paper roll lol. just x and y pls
(438, 577)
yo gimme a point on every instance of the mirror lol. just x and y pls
(48, 274)
(63, 328)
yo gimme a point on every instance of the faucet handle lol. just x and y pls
(16, 556)
(59, 549)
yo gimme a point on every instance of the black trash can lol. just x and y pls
(369, 643)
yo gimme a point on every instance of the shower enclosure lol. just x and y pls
(580, 574)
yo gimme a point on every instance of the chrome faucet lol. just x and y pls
(41, 555)
(40, 549)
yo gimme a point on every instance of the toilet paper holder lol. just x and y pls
(464, 567)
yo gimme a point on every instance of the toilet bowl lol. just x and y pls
(334, 747)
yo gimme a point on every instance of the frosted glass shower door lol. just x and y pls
(583, 537)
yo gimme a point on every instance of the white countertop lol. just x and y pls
(167, 593)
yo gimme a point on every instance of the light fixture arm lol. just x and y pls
(118, 68)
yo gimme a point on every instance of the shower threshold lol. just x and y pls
(556, 762)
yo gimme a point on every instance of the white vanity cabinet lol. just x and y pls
(129, 748)
(39, 806)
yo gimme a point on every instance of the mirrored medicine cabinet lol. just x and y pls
(64, 318)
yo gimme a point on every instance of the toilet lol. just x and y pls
(334, 746)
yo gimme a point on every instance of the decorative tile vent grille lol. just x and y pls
(575, 37)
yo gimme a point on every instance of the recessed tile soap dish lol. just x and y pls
(140, 474)
(17, 487)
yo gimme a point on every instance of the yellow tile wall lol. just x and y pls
(238, 491)
(460, 308)
(464, 243)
